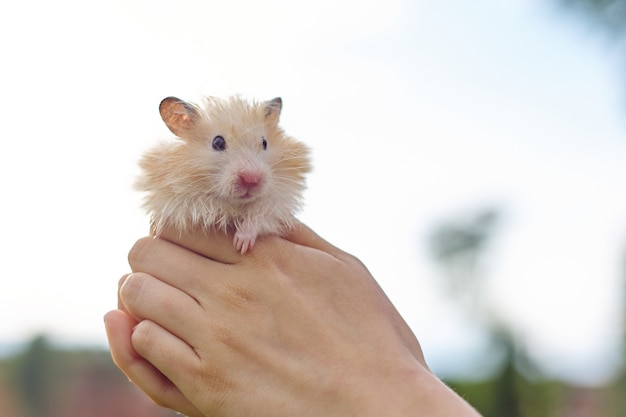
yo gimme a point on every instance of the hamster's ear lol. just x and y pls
(178, 115)
(273, 108)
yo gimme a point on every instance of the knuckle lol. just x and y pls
(131, 288)
(143, 338)
(226, 336)
(122, 280)
(138, 252)
(213, 381)
(160, 398)
(351, 262)
(239, 296)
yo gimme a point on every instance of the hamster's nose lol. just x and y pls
(249, 179)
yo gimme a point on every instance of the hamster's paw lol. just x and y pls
(244, 241)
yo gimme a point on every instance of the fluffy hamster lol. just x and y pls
(232, 167)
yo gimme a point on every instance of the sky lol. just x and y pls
(417, 112)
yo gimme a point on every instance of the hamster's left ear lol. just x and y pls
(273, 108)
(178, 115)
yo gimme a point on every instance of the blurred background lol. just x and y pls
(471, 154)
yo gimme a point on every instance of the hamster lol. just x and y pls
(232, 168)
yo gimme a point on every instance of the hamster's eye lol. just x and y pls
(264, 143)
(219, 143)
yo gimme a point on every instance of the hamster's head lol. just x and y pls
(235, 150)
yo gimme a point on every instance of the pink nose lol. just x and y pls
(249, 179)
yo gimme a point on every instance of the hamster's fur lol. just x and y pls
(232, 167)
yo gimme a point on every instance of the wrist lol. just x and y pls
(413, 391)
(431, 397)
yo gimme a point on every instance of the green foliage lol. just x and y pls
(481, 394)
(538, 399)
(516, 389)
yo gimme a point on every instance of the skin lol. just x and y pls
(296, 327)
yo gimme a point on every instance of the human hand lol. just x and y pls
(294, 327)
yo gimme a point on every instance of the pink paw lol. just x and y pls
(244, 241)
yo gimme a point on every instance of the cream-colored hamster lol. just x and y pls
(232, 167)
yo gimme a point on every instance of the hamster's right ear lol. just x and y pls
(178, 115)
(273, 108)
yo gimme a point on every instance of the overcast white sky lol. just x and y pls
(417, 112)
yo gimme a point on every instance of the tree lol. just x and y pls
(458, 247)
(610, 15)
(32, 374)
(48, 381)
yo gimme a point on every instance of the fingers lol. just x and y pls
(160, 347)
(217, 245)
(119, 327)
(145, 297)
(213, 244)
(120, 303)
(174, 264)
(197, 275)
(182, 364)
